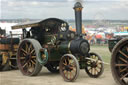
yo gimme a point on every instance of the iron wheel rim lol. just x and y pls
(94, 68)
(119, 62)
(69, 68)
(27, 57)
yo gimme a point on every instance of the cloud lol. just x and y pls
(0, 9)
(39, 9)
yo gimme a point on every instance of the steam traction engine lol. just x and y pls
(50, 43)
(119, 61)
(8, 49)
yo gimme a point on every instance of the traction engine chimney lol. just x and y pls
(78, 18)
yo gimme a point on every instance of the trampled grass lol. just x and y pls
(103, 51)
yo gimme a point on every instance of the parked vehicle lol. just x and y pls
(50, 43)
(8, 50)
(119, 59)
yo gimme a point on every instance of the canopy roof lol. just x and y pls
(35, 23)
(26, 25)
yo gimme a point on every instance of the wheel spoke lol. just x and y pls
(73, 65)
(96, 70)
(33, 62)
(123, 54)
(93, 71)
(70, 75)
(33, 56)
(67, 73)
(29, 49)
(88, 62)
(24, 50)
(74, 69)
(125, 61)
(121, 65)
(71, 68)
(29, 65)
(26, 47)
(98, 62)
(25, 64)
(89, 68)
(124, 76)
(24, 54)
(99, 66)
(66, 62)
(123, 69)
(32, 51)
(22, 57)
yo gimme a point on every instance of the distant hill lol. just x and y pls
(72, 22)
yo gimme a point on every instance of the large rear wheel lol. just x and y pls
(27, 54)
(119, 62)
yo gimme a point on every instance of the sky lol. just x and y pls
(42, 9)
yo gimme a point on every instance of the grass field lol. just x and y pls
(103, 51)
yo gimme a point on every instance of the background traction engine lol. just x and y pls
(50, 43)
(119, 59)
(8, 49)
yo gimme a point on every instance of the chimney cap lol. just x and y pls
(78, 5)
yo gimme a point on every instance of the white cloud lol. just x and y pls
(35, 3)
(40, 9)
(0, 9)
(104, 9)
(70, 0)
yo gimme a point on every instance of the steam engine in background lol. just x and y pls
(118, 46)
(8, 50)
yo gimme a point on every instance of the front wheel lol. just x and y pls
(94, 66)
(69, 67)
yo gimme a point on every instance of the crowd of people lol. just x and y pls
(95, 38)
(98, 38)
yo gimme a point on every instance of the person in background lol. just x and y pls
(98, 38)
(92, 40)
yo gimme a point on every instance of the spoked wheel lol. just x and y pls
(53, 68)
(94, 66)
(119, 62)
(69, 67)
(27, 57)
(4, 62)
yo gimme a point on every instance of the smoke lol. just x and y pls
(81, 1)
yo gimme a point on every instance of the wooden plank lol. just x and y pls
(4, 47)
